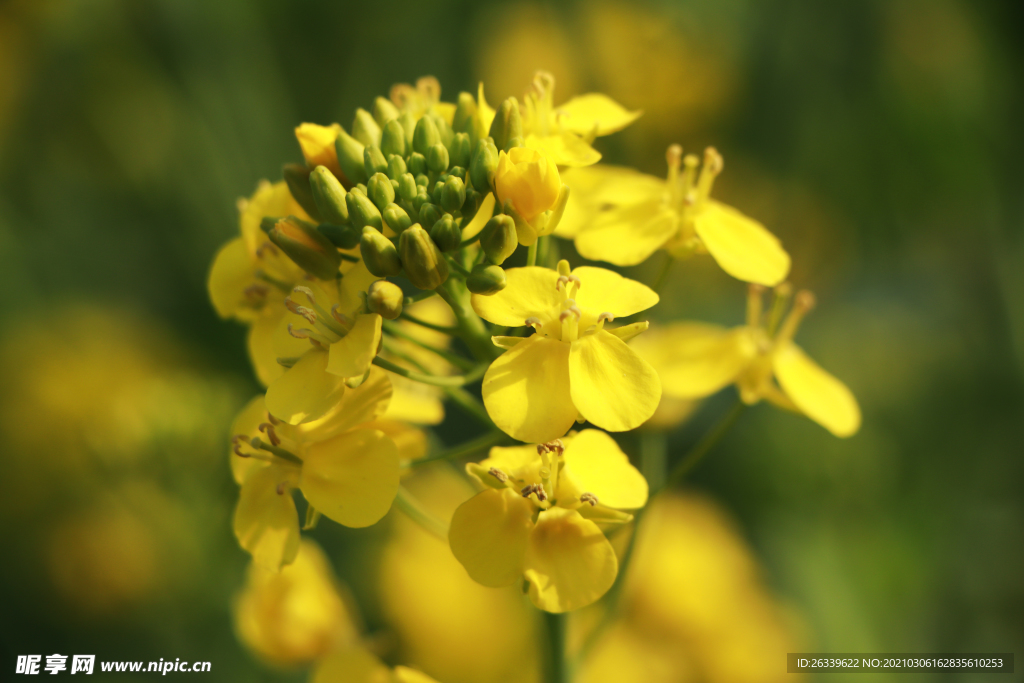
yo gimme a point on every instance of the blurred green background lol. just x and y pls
(879, 139)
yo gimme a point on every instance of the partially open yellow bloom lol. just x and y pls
(346, 468)
(317, 143)
(572, 367)
(696, 360)
(529, 180)
(538, 518)
(296, 615)
(621, 216)
(564, 133)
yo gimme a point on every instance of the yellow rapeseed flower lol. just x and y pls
(358, 665)
(529, 180)
(346, 468)
(317, 143)
(572, 367)
(696, 360)
(622, 216)
(537, 518)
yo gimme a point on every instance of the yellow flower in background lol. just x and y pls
(359, 665)
(296, 615)
(622, 216)
(346, 468)
(529, 180)
(564, 133)
(572, 367)
(696, 360)
(538, 518)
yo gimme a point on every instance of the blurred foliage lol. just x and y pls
(879, 140)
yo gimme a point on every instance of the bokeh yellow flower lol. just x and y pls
(572, 367)
(537, 518)
(622, 216)
(359, 665)
(695, 360)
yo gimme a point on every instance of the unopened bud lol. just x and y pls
(374, 161)
(365, 129)
(423, 261)
(306, 246)
(385, 299)
(459, 172)
(437, 158)
(507, 124)
(420, 199)
(435, 192)
(453, 195)
(350, 156)
(329, 196)
(465, 112)
(396, 218)
(380, 191)
(483, 165)
(407, 188)
(425, 136)
(429, 214)
(379, 254)
(393, 139)
(417, 164)
(384, 111)
(362, 212)
(499, 238)
(408, 122)
(446, 234)
(342, 236)
(486, 279)
(297, 178)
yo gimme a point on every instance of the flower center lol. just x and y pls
(568, 322)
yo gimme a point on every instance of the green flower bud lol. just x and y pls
(435, 192)
(507, 123)
(408, 122)
(423, 261)
(423, 180)
(396, 167)
(514, 142)
(297, 178)
(267, 223)
(350, 156)
(437, 158)
(417, 164)
(365, 129)
(392, 140)
(499, 239)
(421, 199)
(460, 150)
(407, 188)
(446, 234)
(443, 129)
(305, 245)
(465, 112)
(385, 299)
(486, 279)
(396, 217)
(342, 236)
(362, 212)
(425, 136)
(384, 111)
(459, 172)
(483, 165)
(329, 196)
(380, 191)
(379, 254)
(453, 195)
(429, 214)
(374, 161)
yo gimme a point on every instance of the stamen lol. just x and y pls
(804, 303)
(755, 302)
(302, 311)
(255, 291)
(533, 322)
(605, 316)
(534, 489)
(713, 164)
(557, 447)
(268, 429)
(266, 247)
(302, 333)
(562, 280)
(301, 289)
(588, 498)
(340, 317)
(281, 488)
(498, 474)
(673, 156)
(782, 294)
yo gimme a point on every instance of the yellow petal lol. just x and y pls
(694, 359)
(564, 149)
(410, 441)
(611, 385)
(269, 340)
(595, 114)
(569, 562)
(821, 397)
(352, 478)
(266, 523)
(594, 463)
(599, 192)
(529, 292)
(629, 236)
(233, 270)
(526, 390)
(489, 535)
(484, 110)
(404, 674)
(366, 403)
(351, 665)
(743, 247)
(605, 290)
(352, 354)
(306, 391)
(483, 214)
(415, 402)
(268, 200)
(247, 423)
(317, 143)
(521, 462)
(356, 279)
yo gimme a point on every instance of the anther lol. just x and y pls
(255, 291)
(673, 155)
(302, 311)
(301, 333)
(271, 433)
(533, 322)
(588, 498)
(498, 474)
(557, 447)
(307, 291)
(713, 161)
(266, 246)
(605, 316)
(805, 300)
(340, 317)
(562, 280)
(281, 488)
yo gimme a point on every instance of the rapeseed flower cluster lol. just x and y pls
(410, 257)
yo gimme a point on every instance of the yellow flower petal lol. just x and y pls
(599, 192)
(352, 478)
(247, 422)
(569, 562)
(564, 149)
(351, 665)
(594, 463)
(410, 441)
(266, 523)
(821, 397)
(367, 402)
(306, 391)
(269, 200)
(356, 279)
(404, 674)
(317, 143)
(743, 247)
(269, 340)
(483, 214)
(595, 114)
(352, 355)
(629, 236)
(484, 111)
(489, 535)
(605, 290)
(611, 385)
(530, 292)
(415, 402)
(232, 271)
(526, 390)
(521, 462)
(694, 359)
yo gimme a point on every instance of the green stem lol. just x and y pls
(420, 296)
(697, 453)
(412, 508)
(457, 267)
(449, 381)
(653, 457)
(531, 254)
(430, 326)
(464, 450)
(556, 669)
(471, 328)
(659, 282)
(463, 364)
